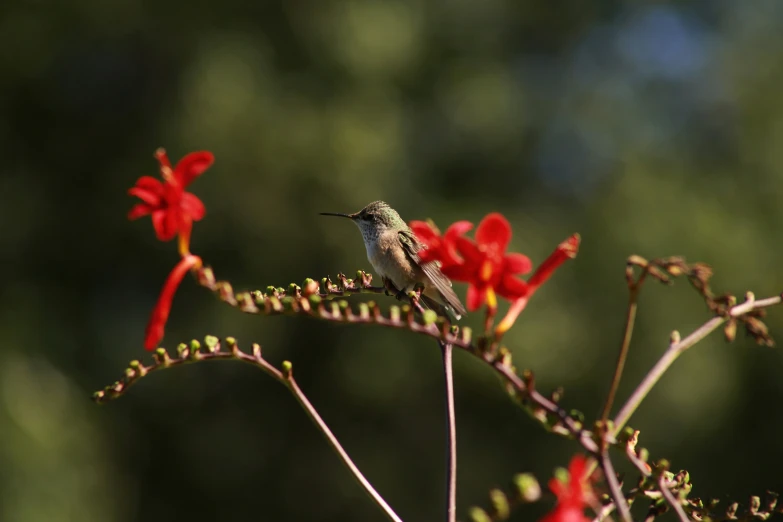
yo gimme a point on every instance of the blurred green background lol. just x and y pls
(653, 128)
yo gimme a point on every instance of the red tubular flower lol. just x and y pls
(572, 496)
(440, 248)
(564, 251)
(487, 267)
(173, 209)
(160, 313)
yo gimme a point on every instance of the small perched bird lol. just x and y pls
(392, 249)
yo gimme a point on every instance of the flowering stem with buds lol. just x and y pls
(215, 352)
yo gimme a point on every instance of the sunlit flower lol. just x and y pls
(173, 210)
(160, 313)
(483, 263)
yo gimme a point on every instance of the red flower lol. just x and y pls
(440, 248)
(486, 265)
(572, 496)
(483, 263)
(160, 313)
(173, 210)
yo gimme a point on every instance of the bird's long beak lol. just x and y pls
(349, 216)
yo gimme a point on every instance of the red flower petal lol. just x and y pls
(429, 255)
(495, 231)
(574, 491)
(517, 263)
(577, 470)
(475, 298)
(470, 251)
(158, 223)
(572, 497)
(147, 196)
(439, 248)
(191, 166)
(566, 513)
(149, 183)
(193, 206)
(171, 222)
(512, 288)
(160, 314)
(455, 231)
(142, 209)
(424, 232)
(458, 229)
(557, 487)
(459, 272)
(577, 467)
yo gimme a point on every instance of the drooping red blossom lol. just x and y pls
(440, 248)
(564, 251)
(572, 496)
(160, 314)
(173, 209)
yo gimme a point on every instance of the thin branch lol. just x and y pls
(193, 353)
(605, 512)
(569, 426)
(677, 346)
(660, 269)
(451, 423)
(673, 502)
(630, 319)
(614, 486)
(316, 418)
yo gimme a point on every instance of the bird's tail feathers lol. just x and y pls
(441, 309)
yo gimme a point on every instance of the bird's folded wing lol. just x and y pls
(412, 246)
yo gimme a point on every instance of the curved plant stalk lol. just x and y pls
(193, 353)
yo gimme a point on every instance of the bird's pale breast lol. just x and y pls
(389, 260)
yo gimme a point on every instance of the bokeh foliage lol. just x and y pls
(649, 127)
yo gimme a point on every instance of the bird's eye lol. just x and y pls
(366, 217)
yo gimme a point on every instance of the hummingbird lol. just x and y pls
(392, 249)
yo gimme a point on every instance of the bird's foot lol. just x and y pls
(389, 288)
